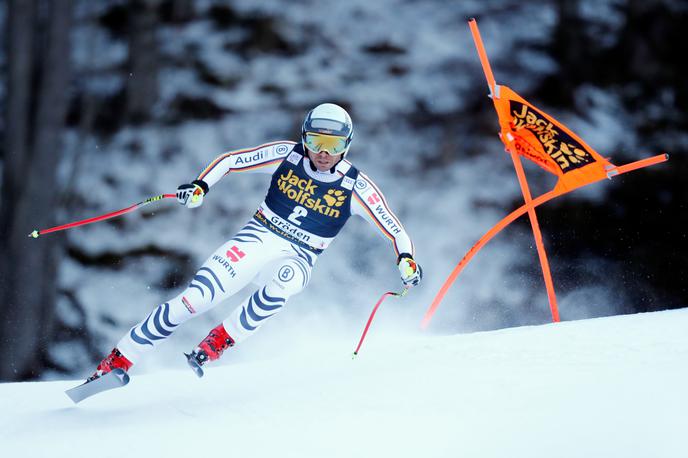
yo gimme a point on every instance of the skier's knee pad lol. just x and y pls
(291, 278)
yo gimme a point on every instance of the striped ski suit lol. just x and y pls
(277, 249)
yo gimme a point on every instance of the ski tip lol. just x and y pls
(34, 234)
(75, 395)
(114, 379)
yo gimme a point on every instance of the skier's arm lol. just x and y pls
(369, 203)
(261, 159)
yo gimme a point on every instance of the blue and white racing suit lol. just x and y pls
(302, 213)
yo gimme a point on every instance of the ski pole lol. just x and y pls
(372, 314)
(95, 219)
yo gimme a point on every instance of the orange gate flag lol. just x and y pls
(529, 132)
(533, 134)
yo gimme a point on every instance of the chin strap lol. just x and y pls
(341, 158)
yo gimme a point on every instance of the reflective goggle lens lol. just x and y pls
(334, 145)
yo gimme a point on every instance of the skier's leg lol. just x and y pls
(291, 277)
(231, 267)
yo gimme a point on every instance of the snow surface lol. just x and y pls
(604, 387)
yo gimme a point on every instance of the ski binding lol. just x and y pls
(193, 364)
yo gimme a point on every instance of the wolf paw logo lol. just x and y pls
(334, 198)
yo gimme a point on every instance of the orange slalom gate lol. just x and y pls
(529, 132)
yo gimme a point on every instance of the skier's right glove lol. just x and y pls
(191, 195)
(411, 273)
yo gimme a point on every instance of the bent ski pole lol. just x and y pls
(95, 219)
(372, 314)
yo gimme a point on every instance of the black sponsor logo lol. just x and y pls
(567, 152)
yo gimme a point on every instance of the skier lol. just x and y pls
(314, 190)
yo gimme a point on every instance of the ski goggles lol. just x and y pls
(334, 145)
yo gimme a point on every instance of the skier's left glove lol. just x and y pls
(411, 273)
(191, 195)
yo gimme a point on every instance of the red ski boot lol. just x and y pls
(113, 361)
(210, 349)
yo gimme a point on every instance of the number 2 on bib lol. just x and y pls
(298, 212)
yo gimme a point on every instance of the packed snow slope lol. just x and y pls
(605, 387)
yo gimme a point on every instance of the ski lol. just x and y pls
(193, 364)
(114, 379)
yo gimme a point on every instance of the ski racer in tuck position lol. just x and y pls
(313, 192)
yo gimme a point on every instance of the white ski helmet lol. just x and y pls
(331, 129)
